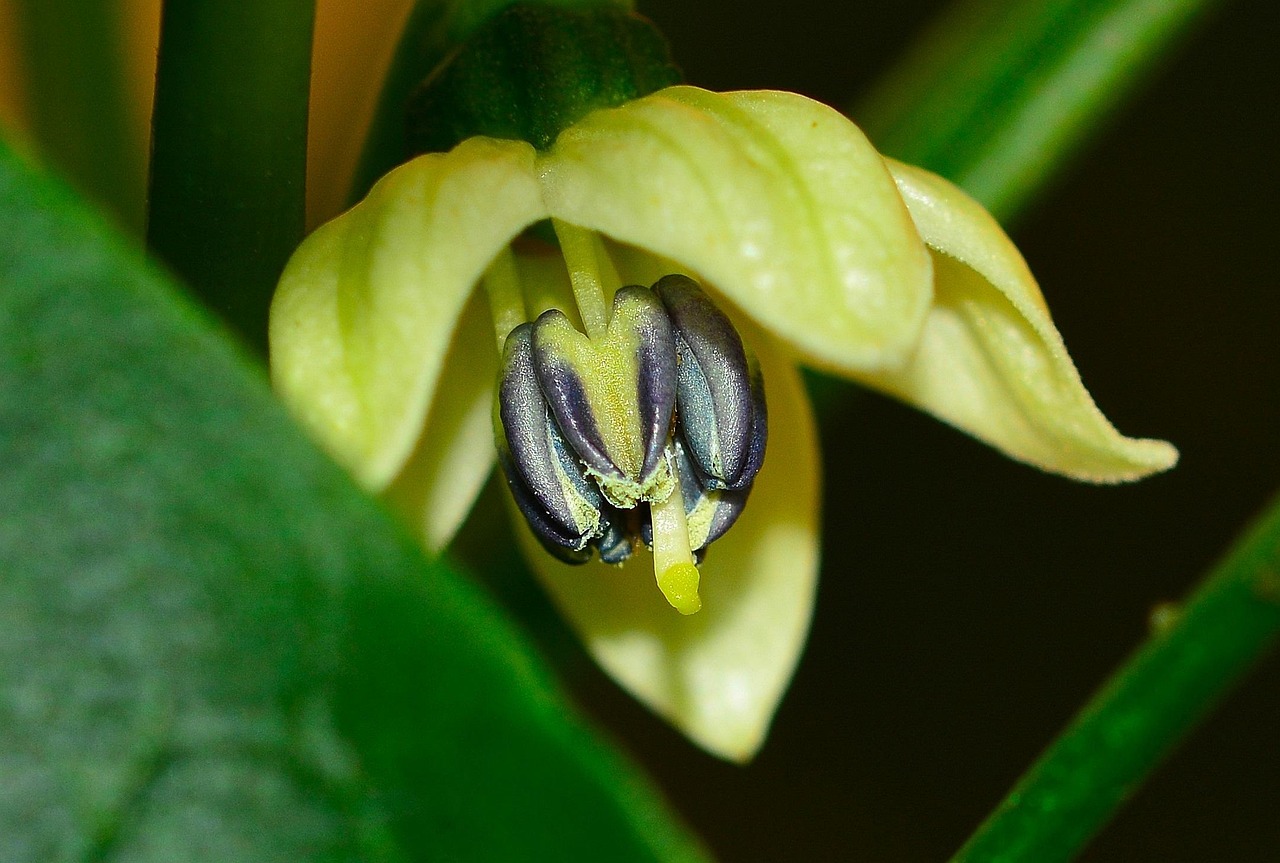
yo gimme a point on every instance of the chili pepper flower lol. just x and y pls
(816, 249)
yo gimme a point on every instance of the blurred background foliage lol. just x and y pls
(969, 605)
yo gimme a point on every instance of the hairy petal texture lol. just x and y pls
(717, 675)
(990, 360)
(365, 311)
(776, 199)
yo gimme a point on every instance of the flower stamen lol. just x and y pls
(596, 453)
(591, 271)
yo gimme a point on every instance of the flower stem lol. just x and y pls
(589, 267)
(997, 96)
(673, 564)
(506, 302)
(1143, 711)
(228, 160)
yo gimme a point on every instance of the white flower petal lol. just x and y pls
(719, 674)
(455, 454)
(776, 199)
(364, 313)
(990, 360)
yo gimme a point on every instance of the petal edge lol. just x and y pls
(778, 200)
(990, 360)
(362, 318)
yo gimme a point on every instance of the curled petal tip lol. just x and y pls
(990, 360)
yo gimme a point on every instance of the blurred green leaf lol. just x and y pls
(72, 53)
(229, 150)
(212, 647)
(434, 28)
(998, 94)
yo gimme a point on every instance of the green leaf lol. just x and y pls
(998, 94)
(212, 647)
(75, 81)
(434, 28)
(229, 150)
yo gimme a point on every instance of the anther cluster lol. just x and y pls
(592, 432)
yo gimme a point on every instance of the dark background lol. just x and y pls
(968, 605)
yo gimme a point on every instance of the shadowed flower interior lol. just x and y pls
(707, 243)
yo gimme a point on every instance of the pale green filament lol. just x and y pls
(506, 301)
(673, 564)
(591, 271)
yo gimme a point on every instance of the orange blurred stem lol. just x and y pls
(76, 102)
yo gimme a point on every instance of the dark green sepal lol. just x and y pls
(533, 71)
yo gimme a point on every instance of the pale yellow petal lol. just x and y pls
(990, 360)
(719, 674)
(365, 310)
(776, 199)
(455, 454)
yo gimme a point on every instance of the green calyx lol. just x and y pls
(534, 70)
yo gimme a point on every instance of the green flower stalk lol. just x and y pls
(771, 211)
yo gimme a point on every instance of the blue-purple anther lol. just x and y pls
(591, 431)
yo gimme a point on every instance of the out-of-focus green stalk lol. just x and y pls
(998, 94)
(228, 165)
(72, 56)
(1143, 711)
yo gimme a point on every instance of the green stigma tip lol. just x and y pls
(679, 584)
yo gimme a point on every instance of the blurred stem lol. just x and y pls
(1145, 709)
(76, 101)
(997, 95)
(228, 164)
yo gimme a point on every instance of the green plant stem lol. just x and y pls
(998, 95)
(228, 165)
(76, 98)
(1143, 711)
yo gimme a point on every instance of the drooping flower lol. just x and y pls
(818, 251)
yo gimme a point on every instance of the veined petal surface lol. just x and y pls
(454, 455)
(362, 319)
(990, 360)
(717, 675)
(778, 200)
